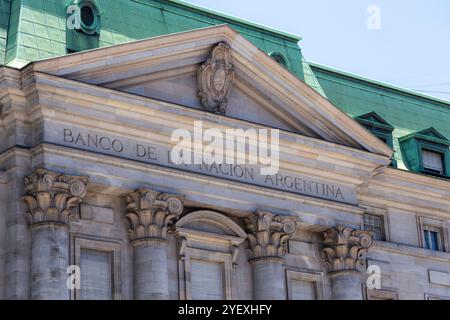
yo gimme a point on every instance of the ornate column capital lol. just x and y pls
(150, 214)
(345, 248)
(268, 234)
(51, 196)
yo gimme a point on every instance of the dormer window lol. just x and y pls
(379, 128)
(427, 152)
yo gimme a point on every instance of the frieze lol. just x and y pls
(126, 148)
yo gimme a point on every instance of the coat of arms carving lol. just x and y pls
(215, 79)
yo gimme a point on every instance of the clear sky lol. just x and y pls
(411, 48)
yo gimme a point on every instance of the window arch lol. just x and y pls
(88, 16)
(278, 57)
(208, 246)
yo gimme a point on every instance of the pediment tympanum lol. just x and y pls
(241, 82)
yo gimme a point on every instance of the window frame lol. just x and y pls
(382, 219)
(440, 226)
(207, 256)
(383, 214)
(430, 139)
(435, 297)
(94, 28)
(80, 242)
(432, 148)
(276, 56)
(380, 294)
(307, 276)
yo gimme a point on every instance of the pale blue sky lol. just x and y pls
(411, 50)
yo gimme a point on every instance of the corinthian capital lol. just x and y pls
(345, 248)
(150, 214)
(51, 196)
(268, 234)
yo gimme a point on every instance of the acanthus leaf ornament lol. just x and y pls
(345, 248)
(268, 234)
(151, 213)
(215, 79)
(50, 196)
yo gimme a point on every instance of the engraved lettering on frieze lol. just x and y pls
(93, 140)
(215, 79)
(161, 155)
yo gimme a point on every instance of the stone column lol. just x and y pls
(50, 197)
(150, 214)
(268, 235)
(344, 254)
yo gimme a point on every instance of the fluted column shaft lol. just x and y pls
(344, 254)
(268, 236)
(50, 199)
(150, 214)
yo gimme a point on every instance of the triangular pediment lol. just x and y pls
(263, 92)
(433, 133)
(372, 119)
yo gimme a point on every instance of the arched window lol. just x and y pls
(209, 244)
(88, 16)
(278, 57)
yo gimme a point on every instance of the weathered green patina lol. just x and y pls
(32, 30)
(408, 112)
(38, 28)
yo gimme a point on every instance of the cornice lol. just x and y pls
(140, 108)
(328, 121)
(145, 168)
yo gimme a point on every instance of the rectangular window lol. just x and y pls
(303, 290)
(96, 275)
(433, 161)
(304, 285)
(99, 263)
(375, 223)
(207, 280)
(433, 238)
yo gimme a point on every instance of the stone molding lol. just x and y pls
(345, 249)
(151, 213)
(268, 235)
(51, 196)
(215, 79)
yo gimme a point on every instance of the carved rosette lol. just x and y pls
(215, 79)
(345, 248)
(50, 196)
(268, 234)
(151, 213)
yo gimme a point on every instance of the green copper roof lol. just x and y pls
(37, 28)
(5, 6)
(409, 112)
(33, 30)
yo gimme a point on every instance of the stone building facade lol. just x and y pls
(88, 188)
